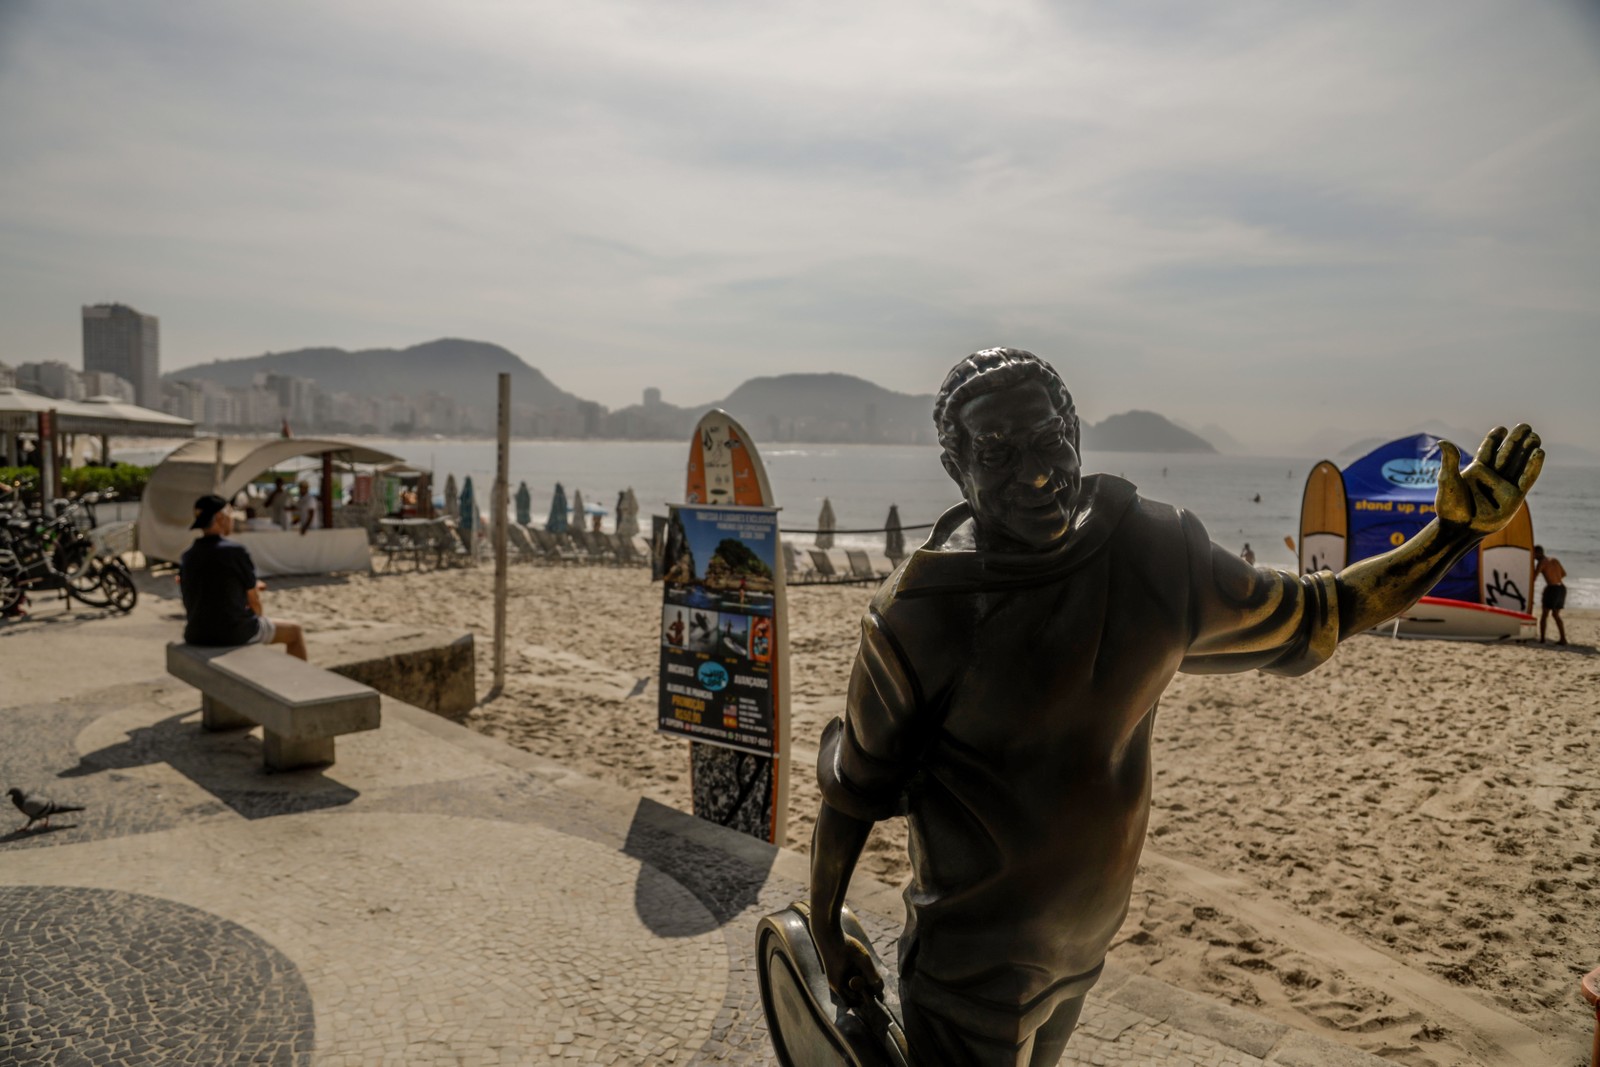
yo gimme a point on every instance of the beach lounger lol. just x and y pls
(823, 565)
(860, 565)
(627, 554)
(518, 537)
(557, 549)
(599, 549)
(447, 544)
(793, 570)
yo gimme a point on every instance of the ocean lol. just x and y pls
(862, 481)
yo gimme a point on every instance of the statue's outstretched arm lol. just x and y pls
(1471, 504)
(835, 847)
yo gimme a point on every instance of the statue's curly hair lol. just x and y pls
(990, 370)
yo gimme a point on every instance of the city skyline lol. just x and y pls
(1272, 220)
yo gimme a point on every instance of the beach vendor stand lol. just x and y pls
(226, 465)
(1383, 499)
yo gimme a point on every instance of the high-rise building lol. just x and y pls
(118, 339)
(51, 378)
(104, 383)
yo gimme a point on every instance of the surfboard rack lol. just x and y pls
(809, 1025)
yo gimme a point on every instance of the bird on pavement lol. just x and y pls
(36, 807)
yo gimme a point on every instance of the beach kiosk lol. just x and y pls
(225, 465)
(1386, 497)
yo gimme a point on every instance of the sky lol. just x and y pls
(1282, 219)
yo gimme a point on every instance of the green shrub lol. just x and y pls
(128, 481)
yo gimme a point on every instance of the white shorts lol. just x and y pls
(266, 629)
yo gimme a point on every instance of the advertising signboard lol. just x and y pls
(717, 626)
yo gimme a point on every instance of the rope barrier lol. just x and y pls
(922, 526)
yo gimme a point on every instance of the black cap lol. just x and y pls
(205, 509)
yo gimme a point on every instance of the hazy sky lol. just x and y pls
(1277, 217)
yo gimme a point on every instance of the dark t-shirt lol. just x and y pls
(217, 575)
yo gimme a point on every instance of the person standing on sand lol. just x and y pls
(1247, 555)
(221, 594)
(1554, 597)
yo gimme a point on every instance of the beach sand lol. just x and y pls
(1432, 805)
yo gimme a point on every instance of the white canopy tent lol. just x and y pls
(225, 465)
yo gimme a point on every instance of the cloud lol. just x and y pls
(1169, 198)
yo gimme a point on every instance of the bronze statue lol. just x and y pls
(1004, 696)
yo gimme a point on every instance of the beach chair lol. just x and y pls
(823, 565)
(447, 544)
(599, 549)
(860, 565)
(792, 568)
(557, 549)
(627, 554)
(518, 537)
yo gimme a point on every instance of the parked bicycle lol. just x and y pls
(58, 554)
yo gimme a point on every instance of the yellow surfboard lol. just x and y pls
(1505, 565)
(1324, 521)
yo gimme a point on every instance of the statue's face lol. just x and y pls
(1019, 468)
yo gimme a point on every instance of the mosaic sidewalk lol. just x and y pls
(435, 897)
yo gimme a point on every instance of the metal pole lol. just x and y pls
(216, 470)
(501, 478)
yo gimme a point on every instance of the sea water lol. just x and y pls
(1242, 500)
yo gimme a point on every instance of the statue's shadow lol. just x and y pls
(226, 764)
(727, 876)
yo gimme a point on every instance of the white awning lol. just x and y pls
(191, 472)
(101, 415)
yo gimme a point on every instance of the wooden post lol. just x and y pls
(49, 478)
(217, 470)
(327, 490)
(502, 476)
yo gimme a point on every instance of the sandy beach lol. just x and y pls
(1428, 805)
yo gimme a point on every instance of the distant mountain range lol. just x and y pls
(787, 407)
(464, 371)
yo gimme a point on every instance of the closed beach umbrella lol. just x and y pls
(524, 505)
(628, 516)
(469, 509)
(557, 523)
(578, 520)
(452, 499)
(825, 525)
(894, 539)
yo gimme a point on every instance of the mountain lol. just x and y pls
(462, 370)
(1141, 431)
(829, 407)
(837, 408)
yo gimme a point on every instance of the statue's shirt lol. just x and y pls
(1004, 703)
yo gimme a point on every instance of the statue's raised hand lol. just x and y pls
(1482, 498)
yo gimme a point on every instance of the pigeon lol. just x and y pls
(36, 807)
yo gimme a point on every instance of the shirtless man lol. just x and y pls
(1554, 597)
(1004, 697)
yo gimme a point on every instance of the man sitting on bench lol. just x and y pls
(221, 595)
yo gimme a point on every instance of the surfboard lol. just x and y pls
(1324, 521)
(1505, 565)
(724, 468)
(1456, 620)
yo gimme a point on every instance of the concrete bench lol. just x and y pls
(300, 708)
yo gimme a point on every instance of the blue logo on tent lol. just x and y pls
(1411, 472)
(713, 675)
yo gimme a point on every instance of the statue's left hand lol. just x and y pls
(1482, 498)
